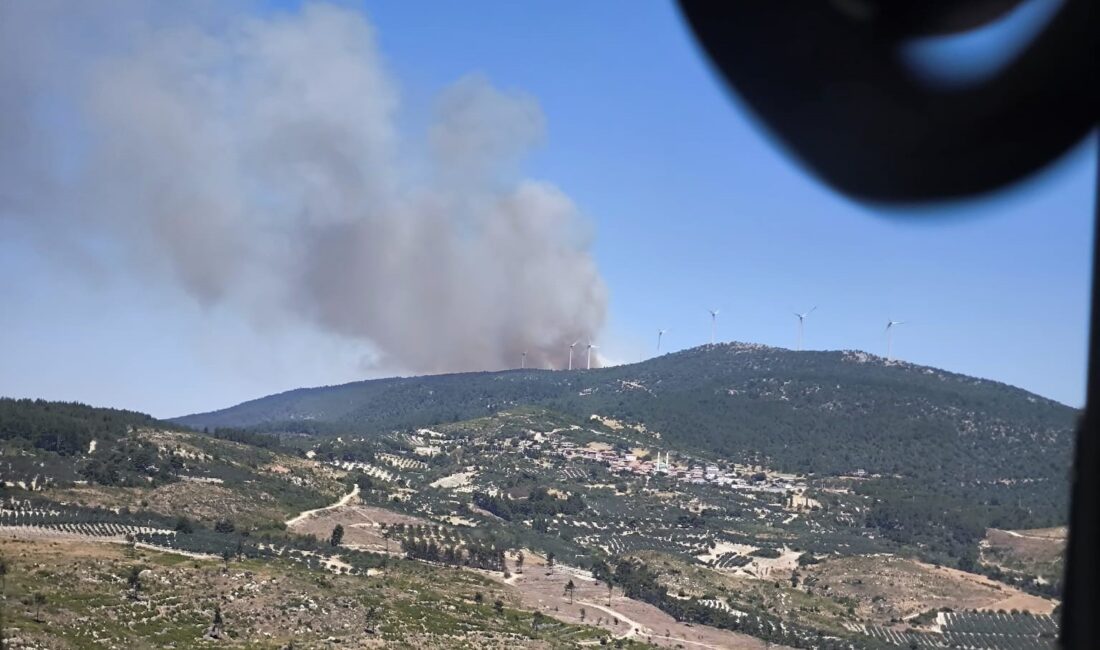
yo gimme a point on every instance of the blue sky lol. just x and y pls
(691, 205)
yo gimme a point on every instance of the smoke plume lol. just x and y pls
(260, 162)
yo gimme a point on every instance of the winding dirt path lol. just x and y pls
(342, 501)
(635, 626)
(542, 589)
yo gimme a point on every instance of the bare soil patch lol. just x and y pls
(539, 589)
(889, 587)
(362, 525)
(1038, 553)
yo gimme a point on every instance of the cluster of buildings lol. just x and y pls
(688, 471)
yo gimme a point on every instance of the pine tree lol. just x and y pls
(133, 581)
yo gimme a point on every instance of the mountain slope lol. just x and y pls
(113, 458)
(941, 456)
(824, 412)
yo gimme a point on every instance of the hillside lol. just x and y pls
(96, 595)
(106, 457)
(821, 412)
(545, 525)
(155, 536)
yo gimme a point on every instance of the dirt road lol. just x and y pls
(544, 590)
(342, 501)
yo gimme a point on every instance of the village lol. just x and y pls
(570, 449)
(643, 462)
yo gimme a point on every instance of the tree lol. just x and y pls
(226, 556)
(479, 598)
(216, 627)
(583, 614)
(569, 589)
(550, 557)
(337, 535)
(3, 574)
(133, 581)
(371, 618)
(537, 620)
(39, 599)
(519, 562)
(610, 586)
(498, 605)
(183, 525)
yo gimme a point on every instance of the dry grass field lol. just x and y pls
(888, 587)
(1037, 553)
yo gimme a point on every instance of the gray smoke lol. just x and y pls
(257, 162)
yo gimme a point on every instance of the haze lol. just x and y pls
(202, 206)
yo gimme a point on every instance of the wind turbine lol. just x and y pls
(802, 324)
(660, 333)
(523, 360)
(890, 325)
(713, 322)
(571, 346)
(590, 348)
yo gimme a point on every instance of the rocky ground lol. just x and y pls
(77, 594)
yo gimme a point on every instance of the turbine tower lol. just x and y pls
(713, 322)
(802, 324)
(590, 348)
(571, 346)
(660, 333)
(523, 360)
(890, 325)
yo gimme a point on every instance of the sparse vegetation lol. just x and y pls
(739, 541)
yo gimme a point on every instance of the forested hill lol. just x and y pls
(65, 427)
(824, 412)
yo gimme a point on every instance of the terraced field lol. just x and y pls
(975, 631)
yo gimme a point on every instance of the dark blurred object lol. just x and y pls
(828, 79)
